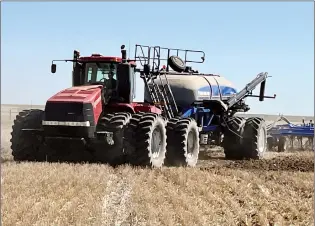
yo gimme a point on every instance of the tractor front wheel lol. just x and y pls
(25, 145)
(111, 150)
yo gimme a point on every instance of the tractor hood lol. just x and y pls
(81, 94)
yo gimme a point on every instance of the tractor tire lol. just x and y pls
(25, 146)
(254, 138)
(176, 63)
(146, 140)
(103, 121)
(282, 144)
(182, 142)
(232, 139)
(113, 153)
(131, 134)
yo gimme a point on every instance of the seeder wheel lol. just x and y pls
(232, 139)
(182, 142)
(254, 138)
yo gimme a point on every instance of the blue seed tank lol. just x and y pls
(190, 88)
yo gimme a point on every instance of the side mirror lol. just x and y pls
(53, 68)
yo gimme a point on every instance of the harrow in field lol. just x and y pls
(290, 136)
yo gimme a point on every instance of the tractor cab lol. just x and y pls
(115, 74)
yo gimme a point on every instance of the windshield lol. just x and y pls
(100, 72)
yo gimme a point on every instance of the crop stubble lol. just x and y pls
(275, 191)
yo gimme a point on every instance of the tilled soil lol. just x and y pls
(283, 163)
(302, 161)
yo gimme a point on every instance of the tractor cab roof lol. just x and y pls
(99, 57)
(96, 57)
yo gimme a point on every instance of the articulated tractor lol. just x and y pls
(96, 120)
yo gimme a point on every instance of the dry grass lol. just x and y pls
(276, 191)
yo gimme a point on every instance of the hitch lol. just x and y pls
(268, 97)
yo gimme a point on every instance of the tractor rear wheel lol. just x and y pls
(282, 144)
(112, 152)
(232, 139)
(146, 140)
(254, 138)
(26, 146)
(182, 142)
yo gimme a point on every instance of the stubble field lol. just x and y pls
(276, 191)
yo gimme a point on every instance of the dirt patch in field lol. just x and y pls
(283, 163)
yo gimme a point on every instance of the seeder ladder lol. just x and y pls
(169, 97)
(159, 96)
(164, 89)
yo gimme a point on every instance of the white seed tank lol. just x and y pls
(190, 88)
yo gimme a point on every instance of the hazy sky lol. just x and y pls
(240, 40)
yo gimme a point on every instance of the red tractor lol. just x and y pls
(88, 121)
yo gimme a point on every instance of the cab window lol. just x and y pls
(96, 72)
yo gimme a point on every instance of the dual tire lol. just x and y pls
(112, 151)
(245, 138)
(151, 141)
(25, 146)
(145, 140)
